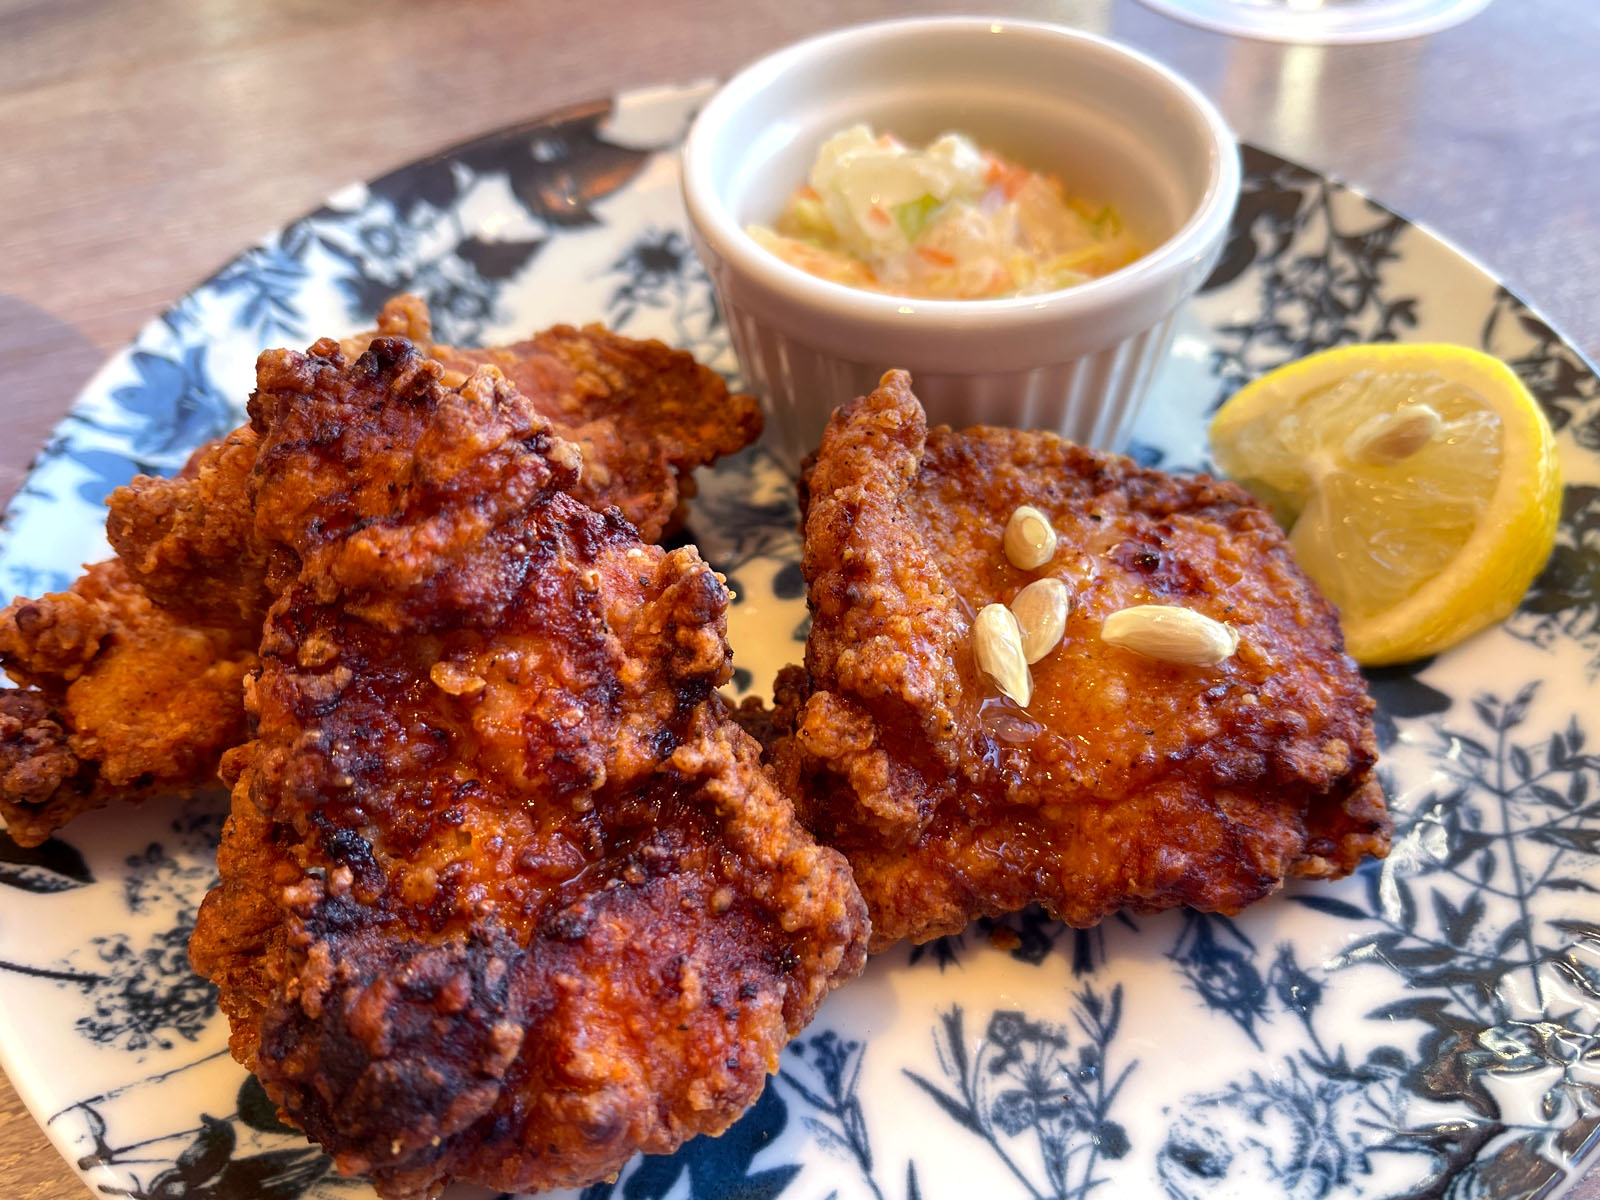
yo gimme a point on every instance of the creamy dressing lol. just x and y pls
(950, 221)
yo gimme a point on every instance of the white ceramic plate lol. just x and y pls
(1334, 21)
(1427, 1028)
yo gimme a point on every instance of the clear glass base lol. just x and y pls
(1322, 20)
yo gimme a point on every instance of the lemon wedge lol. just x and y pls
(1419, 485)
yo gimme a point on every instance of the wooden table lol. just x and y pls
(144, 143)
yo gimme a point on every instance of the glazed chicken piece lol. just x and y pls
(1126, 781)
(644, 415)
(505, 894)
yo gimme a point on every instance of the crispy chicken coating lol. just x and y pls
(505, 894)
(1127, 781)
(189, 540)
(643, 414)
(120, 700)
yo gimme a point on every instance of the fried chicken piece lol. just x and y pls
(505, 894)
(189, 540)
(119, 700)
(1127, 781)
(133, 679)
(644, 415)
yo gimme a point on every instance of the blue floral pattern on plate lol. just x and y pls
(1427, 1028)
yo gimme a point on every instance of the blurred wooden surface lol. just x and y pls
(147, 141)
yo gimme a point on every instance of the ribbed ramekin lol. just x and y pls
(1111, 122)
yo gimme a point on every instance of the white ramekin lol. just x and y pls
(1112, 123)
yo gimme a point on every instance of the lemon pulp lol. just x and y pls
(1419, 485)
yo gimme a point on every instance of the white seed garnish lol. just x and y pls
(1170, 633)
(1389, 438)
(1030, 539)
(454, 678)
(1041, 611)
(997, 644)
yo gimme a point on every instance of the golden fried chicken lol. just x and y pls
(644, 415)
(1127, 781)
(190, 540)
(119, 699)
(505, 894)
